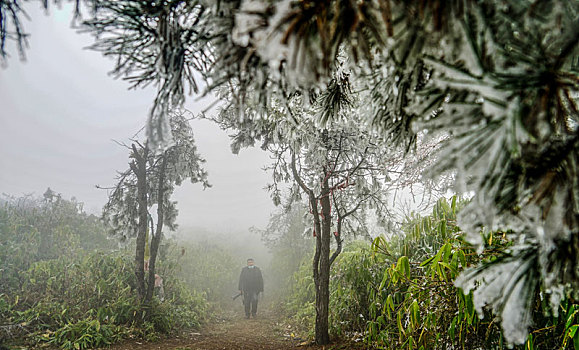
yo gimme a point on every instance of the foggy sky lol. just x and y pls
(60, 111)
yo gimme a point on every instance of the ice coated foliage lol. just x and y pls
(500, 79)
(10, 16)
(349, 156)
(182, 162)
(153, 43)
(12, 13)
(497, 79)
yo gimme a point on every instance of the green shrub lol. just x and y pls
(84, 334)
(64, 289)
(417, 306)
(188, 309)
(299, 303)
(62, 284)
(354, 275)
(77, 302)
(398, 293)
(34, 229)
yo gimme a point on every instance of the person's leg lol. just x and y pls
(246, 302)
(254, 304)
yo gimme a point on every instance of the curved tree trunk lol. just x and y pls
(139, 168)
(322, 262)
(323, 285)
(156, 236)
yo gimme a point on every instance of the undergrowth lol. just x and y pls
(62, 283)
(398, 292)
(91, 302)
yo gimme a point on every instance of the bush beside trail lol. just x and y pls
(398, 292)
(91, 302)
(58, 291)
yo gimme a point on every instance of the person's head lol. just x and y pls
(250, 262)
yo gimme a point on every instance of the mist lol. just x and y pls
(58, 129)
(422, 159)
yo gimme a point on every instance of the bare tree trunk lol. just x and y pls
(321, 263)
(322, 336)
(139, 167)
(317, 255)
(156, 236)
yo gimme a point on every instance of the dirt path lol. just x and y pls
(234, 332)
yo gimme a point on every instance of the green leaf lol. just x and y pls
(447, 252)
(410, 343)
(416, 231)
(385, 278)
(454, 260)
(571, 316)
(452, 269)
(440, 271)
(462, 257)
(404, 266)
(389, 304)
(469, 305)
(434, 267)
(399, 323)
(442, 228)
(416, 312)
(427, 261)
(530, 343)
(573, 330)
(452, 328)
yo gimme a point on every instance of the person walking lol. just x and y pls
(250, 285)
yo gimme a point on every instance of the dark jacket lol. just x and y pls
(250, 280)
